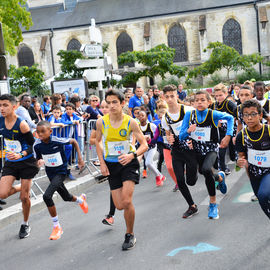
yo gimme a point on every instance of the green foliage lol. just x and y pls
(156, 61)
(13, 16)
(252, 74)
(224, 57)
(27, 79)
(170, 80)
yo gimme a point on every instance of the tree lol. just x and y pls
(13, 15)
(224, 57)
(156, 61)
(27, 79)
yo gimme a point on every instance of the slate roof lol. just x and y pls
(106, 11)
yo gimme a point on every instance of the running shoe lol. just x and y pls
(71, 177)
(109, 220)
(144, 174)
(222, 185)
(227, 171)
(2, 202)
(163, 178)
(191, 212)
(176, 188)
(159, 181)
(24, 231)
(56, 233)
(254, 198)
(129, 242)
(213, 211)
(84, 204)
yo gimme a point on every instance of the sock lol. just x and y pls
(25, 223)
(55, 221)
(79, 200)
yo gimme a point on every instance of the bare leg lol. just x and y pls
(6, 188)
(25, 193)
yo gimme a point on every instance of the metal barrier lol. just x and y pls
(81, 133)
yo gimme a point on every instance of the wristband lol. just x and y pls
(134, 154)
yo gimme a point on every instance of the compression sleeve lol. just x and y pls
(29, 138)
(224, 116)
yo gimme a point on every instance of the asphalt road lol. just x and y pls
(240, 239)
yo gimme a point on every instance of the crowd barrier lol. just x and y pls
(81, 132)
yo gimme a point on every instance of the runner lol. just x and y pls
(120, 160)
(148, 129)
(49, 150)
(253, 146)
(202, 126)
(20, 163)
(181, 155)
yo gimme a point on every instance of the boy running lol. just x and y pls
(49, 150)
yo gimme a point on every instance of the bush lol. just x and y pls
(171, 80)
(252, 74)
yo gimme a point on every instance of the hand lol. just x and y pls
(225, 141)
(40, 162)
(190, 145)
(191, 128)
(219, 123)
(13, 156)
(242, 162)
(234, 140)
(148, 139)
(80, 164)
(125, 158)
(104, 169)
(61, 125)
(77, 122)
(170, 139)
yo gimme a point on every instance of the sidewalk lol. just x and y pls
(13, 209)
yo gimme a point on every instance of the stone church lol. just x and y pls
(126, 25)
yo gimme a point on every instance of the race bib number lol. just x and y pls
(259, 158)
(53, 160)
(201, 134)
(176, 127)
(118, 148)
(13, 146)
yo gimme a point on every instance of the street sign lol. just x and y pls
(4, 87)
(92, 50)
(87, 63)
(94, 75)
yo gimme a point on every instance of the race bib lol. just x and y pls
(165, 140)
(53, 160)
(201, 134)
(13, 146)
(118, 148)
(260, 158)
(176, 127)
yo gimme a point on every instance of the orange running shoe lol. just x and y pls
(144, 174)
(84, 204)
(56, 233)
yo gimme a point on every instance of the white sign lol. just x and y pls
(92, 50)
(4, 87)
(94, 75)
(87, 63)
(70, 87)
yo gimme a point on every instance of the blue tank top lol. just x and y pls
(13, 139)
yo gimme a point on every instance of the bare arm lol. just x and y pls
(93, 137)
(80, 159)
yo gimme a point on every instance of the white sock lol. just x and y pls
(79, 200)
(25, 223)
(55, 221)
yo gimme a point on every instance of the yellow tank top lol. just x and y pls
(116, 140)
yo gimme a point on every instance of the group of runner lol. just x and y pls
(190, 138)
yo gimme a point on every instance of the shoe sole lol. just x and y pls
(26, 235)
(105, 222)
(191, 215)
(130, 247)
(57, 238)
(217, 217)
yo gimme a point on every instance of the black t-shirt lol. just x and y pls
(239, 140)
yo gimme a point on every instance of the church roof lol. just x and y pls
(108, 11)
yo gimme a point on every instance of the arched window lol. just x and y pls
(177, 40)
(74, 44)
(25, 56)
(124, 44)
(231, 34)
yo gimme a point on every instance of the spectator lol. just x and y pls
(33, 101)
(153, 100)
(181, 94)
(150, 92)
(92, 109)
(136, 100)
(64, 100)
(22, 111)
(57, 100)
(85, 104)
(36, 113)
(46, 106)
(127, 98)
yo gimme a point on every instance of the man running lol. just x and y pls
(20, 163)
(120, 161)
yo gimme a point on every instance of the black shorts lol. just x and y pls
(120, 173)
(25, 169)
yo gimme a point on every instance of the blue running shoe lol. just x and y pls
(213, 211)
(71, 177)
(222, 185)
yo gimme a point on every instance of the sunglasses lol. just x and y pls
(94, 100)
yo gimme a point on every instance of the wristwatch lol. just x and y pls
(134, 154)
(22, 155)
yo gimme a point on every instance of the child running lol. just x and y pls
(253, 146)
(201, 125)
(49, 150)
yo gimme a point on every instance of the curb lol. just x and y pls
(14, 213)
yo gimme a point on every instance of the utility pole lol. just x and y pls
(3, 62)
